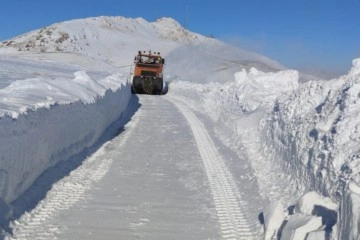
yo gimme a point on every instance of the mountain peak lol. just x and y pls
(108, 37)
(167, 21)
(79, 35)
(170, 29)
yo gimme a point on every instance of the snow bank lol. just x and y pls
(247, 92)
(44, 121)
(258, 89)
(274, 216)
(314, 134)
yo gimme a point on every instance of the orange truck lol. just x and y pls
(148, 73)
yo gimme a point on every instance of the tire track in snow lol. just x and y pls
(65, 193)
(227, 199)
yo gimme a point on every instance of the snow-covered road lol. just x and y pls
(160, 178)
(226, 196)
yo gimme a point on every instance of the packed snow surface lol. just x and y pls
(62, 87)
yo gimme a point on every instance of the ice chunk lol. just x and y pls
(308, 202)
(317, 235)
(350, 213)
(298, 226)
(273, 218)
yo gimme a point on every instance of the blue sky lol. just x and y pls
(313, 34)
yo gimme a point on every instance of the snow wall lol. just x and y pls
(46, 132)
(315, 132)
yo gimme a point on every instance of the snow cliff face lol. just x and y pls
(317, 130)
(314, 135)
(60, 119)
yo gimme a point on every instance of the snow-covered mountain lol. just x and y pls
(107, 38)
(115, 40)
(65, 84)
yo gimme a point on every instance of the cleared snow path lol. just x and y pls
(227, 199)
(147, 183)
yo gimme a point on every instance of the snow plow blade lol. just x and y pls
(148, 74)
